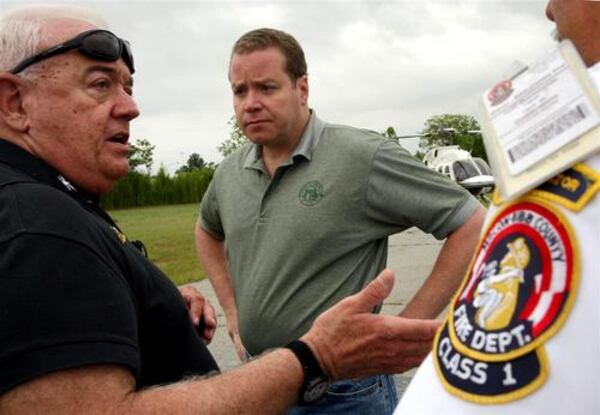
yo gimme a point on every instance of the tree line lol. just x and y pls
(140, 188)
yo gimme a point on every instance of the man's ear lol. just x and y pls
(302, 85)
(12, 111)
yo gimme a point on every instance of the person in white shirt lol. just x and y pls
(531, 298)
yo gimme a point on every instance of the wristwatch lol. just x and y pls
(315, 380)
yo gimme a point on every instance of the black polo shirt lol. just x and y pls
(75, 292)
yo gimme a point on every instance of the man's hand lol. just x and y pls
(234, 333)
(201, 312)
(350, 341)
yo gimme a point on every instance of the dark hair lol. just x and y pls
(259, 39)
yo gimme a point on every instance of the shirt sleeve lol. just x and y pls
(210, 220)
(61, 307)
(403, 191)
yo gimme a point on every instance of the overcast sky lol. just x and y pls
(371, 64)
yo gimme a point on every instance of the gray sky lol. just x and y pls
(371, 64)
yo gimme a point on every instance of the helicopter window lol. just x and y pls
(463, 169)
(483, 166)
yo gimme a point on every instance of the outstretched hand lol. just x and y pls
(350, 341)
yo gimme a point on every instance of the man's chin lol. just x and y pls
(259, 139)
(258, 134)
(123, 171)
(117, 172)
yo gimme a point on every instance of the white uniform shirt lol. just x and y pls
(564, 376)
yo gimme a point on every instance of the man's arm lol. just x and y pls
(448, 270)
(211, 253)
(348, 340)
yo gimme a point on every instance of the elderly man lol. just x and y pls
(554, 366)
(87, 323)
(300, 218)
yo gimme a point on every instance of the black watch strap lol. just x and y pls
(315, 380)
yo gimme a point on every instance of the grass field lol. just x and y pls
(168, 233)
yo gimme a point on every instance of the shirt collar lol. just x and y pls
(308, 142)
(310, 137)
(18, 158)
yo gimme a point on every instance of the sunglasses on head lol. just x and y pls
(100, 45)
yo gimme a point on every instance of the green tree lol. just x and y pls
(236, 138)
(389, 132)
(141, 154)
(194, 162)
(453, 129)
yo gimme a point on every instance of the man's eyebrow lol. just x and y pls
(109, 70)
(256, 81)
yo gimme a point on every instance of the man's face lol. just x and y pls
(270, 108)
(579, 21)
(78, 114)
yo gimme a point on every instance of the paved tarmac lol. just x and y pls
(411, 256)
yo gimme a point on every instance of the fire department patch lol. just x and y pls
(520, 286)
(487, 382)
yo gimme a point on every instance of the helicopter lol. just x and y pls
(472, 173)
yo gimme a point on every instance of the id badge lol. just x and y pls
(541, 121)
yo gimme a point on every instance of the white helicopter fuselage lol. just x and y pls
(472, 173)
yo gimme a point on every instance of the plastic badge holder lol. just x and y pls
(533, 129)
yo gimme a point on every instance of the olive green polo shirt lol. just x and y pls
(317, 230)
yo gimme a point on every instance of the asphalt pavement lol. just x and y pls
(411, 256)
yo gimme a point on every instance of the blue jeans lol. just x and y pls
(373, 395)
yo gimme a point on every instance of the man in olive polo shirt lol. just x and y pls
(299, 218)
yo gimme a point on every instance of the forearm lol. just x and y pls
(348, 341)
(247, 389)
(448, 270)
(265, 386)
(211, 254)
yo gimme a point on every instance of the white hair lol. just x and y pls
(23, 29)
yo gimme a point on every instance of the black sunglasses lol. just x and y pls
(96, 44)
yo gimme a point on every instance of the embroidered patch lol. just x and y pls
(487, 382)
(572, 189)
(311, 193)
(520, 286)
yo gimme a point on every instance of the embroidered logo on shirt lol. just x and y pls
(517, 294)
(311, 193)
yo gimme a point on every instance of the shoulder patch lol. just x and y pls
(487, 382)
(517, 294)
(520, 286)
(573, 188)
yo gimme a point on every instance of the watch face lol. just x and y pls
(315, 389)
